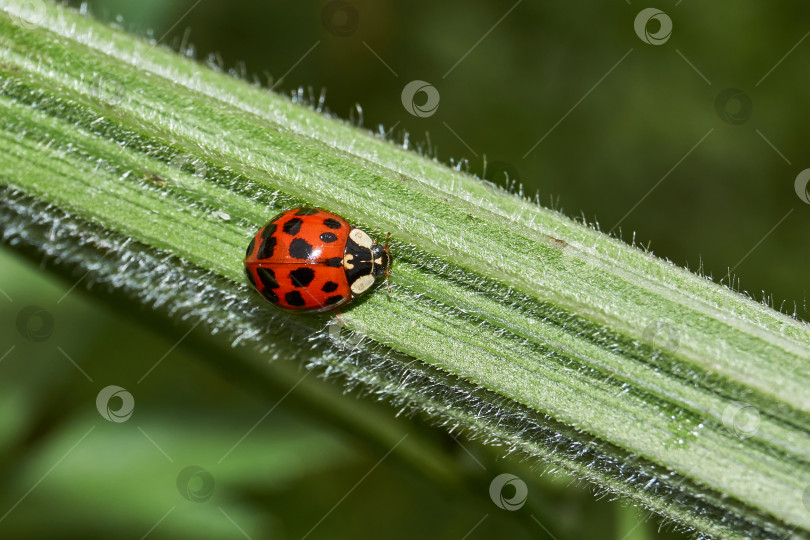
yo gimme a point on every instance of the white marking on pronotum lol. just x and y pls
(347, 261)
(361, 238)
(362, 284)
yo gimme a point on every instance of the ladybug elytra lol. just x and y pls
(308, 259)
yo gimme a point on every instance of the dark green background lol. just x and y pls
(635, 127)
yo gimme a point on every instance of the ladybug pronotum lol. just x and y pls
(308, 259)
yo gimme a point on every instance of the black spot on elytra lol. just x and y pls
(301, 277)
(334, 299)
(300, 249)
(251, 279)
(329, 286)
(267, 277)
(293, 226)
(332, 223)
(267, 248)
(268, 230)
(328, 237)
(335, 262)
(250, 247)
(270, 295)
(294, 298)
(306, 211)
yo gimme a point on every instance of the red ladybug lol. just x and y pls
(308, 259)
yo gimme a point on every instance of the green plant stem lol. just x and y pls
(508, 319)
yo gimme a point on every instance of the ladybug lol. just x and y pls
(308, 259)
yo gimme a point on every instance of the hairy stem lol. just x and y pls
(505, 319)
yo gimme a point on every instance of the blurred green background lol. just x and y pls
(566, 99)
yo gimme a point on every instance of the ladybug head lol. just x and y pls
(381, 258)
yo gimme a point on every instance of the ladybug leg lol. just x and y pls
(339, 319)
(387, 268)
